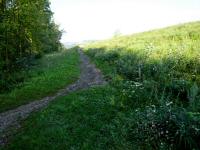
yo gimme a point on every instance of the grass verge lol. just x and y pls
(52, 72)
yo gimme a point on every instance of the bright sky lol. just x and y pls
(100, 19)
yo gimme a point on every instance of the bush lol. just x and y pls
(109, 56)
(179, 89)
(128, 66)
(94, 51)
(138, 94)
(167, 125)
(160, 127)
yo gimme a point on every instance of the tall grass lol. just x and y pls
(152, 101)
(157, 68)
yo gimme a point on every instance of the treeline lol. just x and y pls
(27, 31)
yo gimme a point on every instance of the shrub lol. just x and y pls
(138, 94)
(92, 52)
(109, 56)
(165, 126)
(128, 67)
(179, 89)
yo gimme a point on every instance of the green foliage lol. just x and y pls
(126, 68)
(78, 121)
(95, 119)
(158, 77)
(110, 57)
(138, 94)
(26, 32)
(51, 73)
(169, 57)
(162, 127)
(152, 101)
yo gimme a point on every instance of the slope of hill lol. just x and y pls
(169, 57)
(158, 76)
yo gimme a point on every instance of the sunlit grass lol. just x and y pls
(174, 50)
(152, 100)
(51, 73)
(81, 120)
(158, 75)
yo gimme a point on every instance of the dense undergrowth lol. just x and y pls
(50, 73)
(158, 76)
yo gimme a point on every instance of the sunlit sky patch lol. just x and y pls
(100, 19)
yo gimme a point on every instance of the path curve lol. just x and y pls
(90, 76)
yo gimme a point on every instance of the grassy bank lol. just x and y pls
(166, 60)
(158, 76)
(51, 73)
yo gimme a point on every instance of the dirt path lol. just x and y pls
(90, 76)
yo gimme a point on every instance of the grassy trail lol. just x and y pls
(151, 101)
(53, 72)
(90, 76)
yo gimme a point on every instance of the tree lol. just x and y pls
(27, 31)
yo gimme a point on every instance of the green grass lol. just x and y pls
(152, 100)
(91, 119)
(81, 120)
(52, 72)
(156, 71)
(169, 58)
